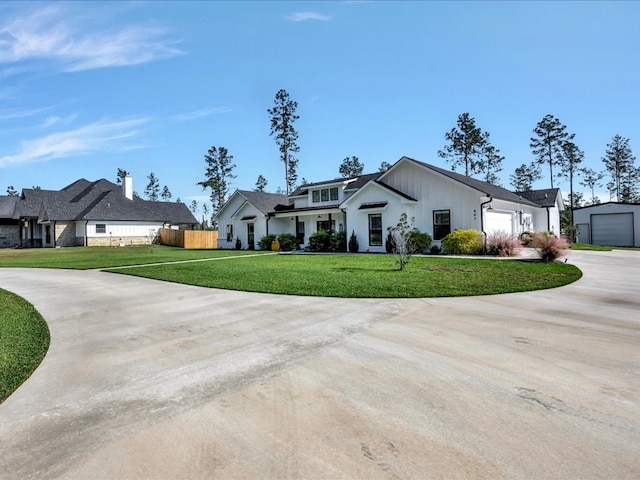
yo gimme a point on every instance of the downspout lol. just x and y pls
(268, 218)
(548, 220)
(484, 234)
(54, 234)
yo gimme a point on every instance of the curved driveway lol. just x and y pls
(146, 379)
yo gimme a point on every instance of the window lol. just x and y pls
(441, 224)
(315, 196)
(250, 236)
(324, 195)
(101, 228)
(375, 230)
(333, 193)
(229, 233)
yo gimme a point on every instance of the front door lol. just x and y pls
(250, 237)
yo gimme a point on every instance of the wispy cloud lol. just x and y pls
(24, 113)
(51, 33)
(304, 16)
(201, 113)
(98, 136)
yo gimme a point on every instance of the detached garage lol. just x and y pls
(611, 224)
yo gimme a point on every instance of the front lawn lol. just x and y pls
(24, 340)
(366, 276)
(83, 258)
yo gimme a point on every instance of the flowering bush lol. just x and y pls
(463, 242)
(503, 244)
(548, 246)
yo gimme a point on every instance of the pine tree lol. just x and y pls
(572, 156)
(283, 116)
(524, 176)
(591, 179)
(547, 143)
(490, 161)
(261, 184)
(466, 145)
(152, 191)
(384, 166)
(12, 192)
(166, 194)
(219, 170)
(619, 162)
(351, 167)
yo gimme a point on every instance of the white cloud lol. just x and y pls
(303, 16)
(51, 33)
(98, 136)
(201, 113)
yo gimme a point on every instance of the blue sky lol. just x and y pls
(89, 87)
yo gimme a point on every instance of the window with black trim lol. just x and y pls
(315, 195)
(333, 193)
(375, 229)
(101, 228)
(441, 224)
(229, 233)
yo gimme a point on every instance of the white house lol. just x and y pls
(612, 224)
(438, 200)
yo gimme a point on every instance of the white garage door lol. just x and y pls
(612, 229)
(498, 221)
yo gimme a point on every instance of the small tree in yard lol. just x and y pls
(402, 243)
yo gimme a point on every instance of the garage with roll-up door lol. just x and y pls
(611, 224)
(498, 222)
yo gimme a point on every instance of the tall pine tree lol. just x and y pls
(283, 116)
(546, 145)
(219, 170)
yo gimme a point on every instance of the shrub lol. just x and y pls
(463, 242)
(238, 244)
(503, 244)
(435, 250)
(266, 241)
(319, 241)
(419, 241)
(525, 238)
(353, 243)
(548, 246)
(338, 242)
(288, 242)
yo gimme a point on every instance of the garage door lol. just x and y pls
(612, 229)
(498, 221)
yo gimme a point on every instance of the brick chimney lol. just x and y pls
(127, 187)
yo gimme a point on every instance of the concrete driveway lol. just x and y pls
(150, 380)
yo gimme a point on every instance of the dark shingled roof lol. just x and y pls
(7, 206)
(99, 200)
(544, 198)
(265, 202)
(354, 183)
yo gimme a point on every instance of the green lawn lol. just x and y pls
(24, 340)
(365, 276)
(82, 258)
(588, 246)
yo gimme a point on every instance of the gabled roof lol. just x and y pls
(265, 202)
(544, 198)
(99, 200)
(8, 206)
(488, 189)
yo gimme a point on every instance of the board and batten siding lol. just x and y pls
(437, 192)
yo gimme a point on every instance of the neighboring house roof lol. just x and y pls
(8, 206)
(99, 200)
(544, 198)
(621, 204)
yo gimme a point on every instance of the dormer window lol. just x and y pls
(325, 195)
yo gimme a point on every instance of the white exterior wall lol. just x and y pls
(358, 220)
(583, 215)
(436, 192)
(239, 227)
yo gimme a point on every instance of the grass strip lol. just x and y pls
(24, 341)
(84, 258)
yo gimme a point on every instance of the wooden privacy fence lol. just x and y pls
(189, 238)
